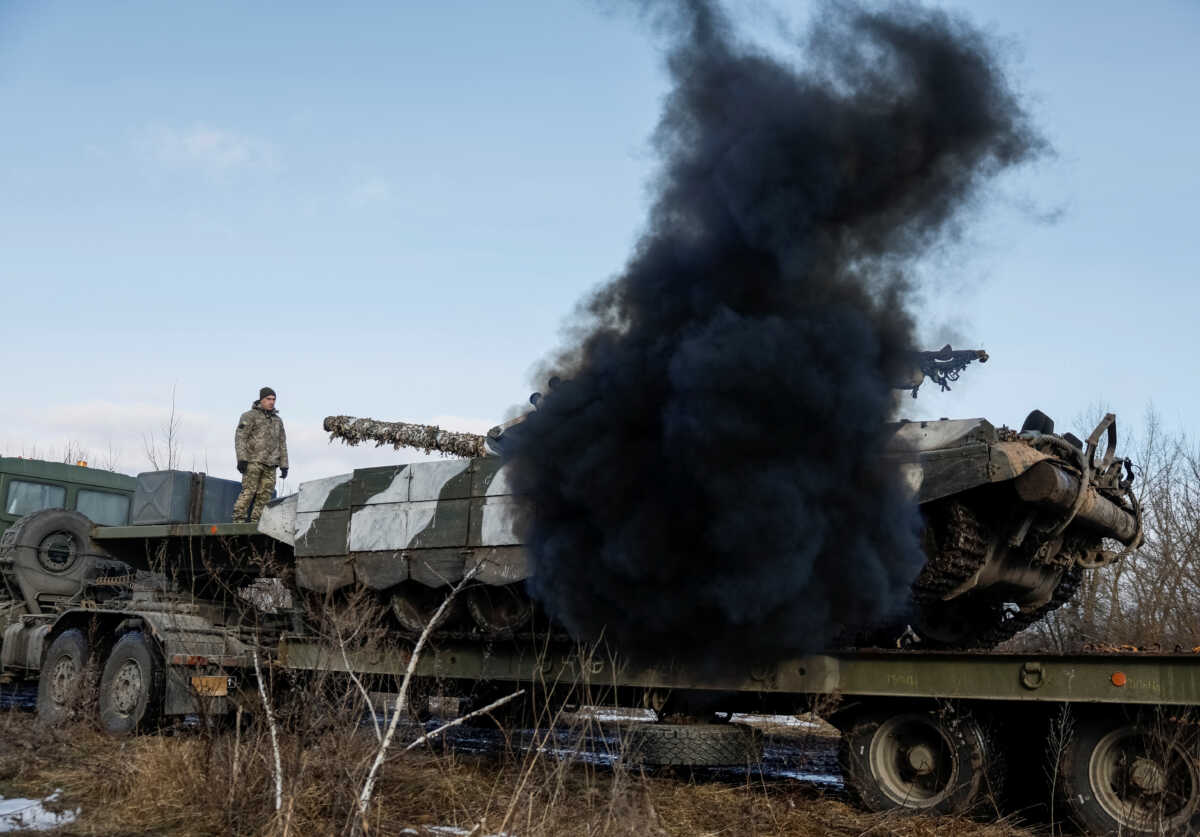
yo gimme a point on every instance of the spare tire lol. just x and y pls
(693, 745)
(57, 540)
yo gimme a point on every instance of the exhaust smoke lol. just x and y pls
(705, 483)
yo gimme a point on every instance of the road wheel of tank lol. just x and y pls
(56, 538)
(131, 686)
(924, 761)
(1121, 777)
(501, 610)
(64, 684)
(692, 745)
(414, 606)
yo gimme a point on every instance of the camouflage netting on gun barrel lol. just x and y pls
(425, 437)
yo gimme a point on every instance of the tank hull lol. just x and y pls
(1010, 520)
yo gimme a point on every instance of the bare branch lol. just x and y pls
(368, 789)
(481, 711)
(262, 693)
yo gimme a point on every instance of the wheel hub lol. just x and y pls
(127, 687)
(1148, 776)
(920, 759)
(58, 552)
(63, 680)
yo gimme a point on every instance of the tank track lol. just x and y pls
(960, 557)
(954, 562)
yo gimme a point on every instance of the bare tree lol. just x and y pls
(163, 450)
(110, 459)
(73, 453)
(1151, 598)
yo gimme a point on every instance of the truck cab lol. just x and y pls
(29, 485)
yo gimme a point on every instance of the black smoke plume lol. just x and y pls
(706, 482)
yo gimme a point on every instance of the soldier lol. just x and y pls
(261, 447)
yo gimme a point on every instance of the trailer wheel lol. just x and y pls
(926, 761)
(130, 686)
(63, 681)
(1122, 777)
(693, 745)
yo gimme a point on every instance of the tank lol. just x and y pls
(408, 532)
(1013, 518)
(1012, 521)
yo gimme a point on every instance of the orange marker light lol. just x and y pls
(212, 530)
(1118, 678)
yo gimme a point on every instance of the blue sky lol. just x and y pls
(391, 209)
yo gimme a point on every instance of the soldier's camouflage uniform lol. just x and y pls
(262, 444)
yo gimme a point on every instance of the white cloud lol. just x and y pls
(207, 147)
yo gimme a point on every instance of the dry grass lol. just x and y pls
(182, 784)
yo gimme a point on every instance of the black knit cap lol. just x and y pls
(264, 392)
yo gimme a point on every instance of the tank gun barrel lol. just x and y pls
(425, 437)
(1052, 485)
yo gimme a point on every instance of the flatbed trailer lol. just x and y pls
(932, 731)
(1121, 678)
(921, 730)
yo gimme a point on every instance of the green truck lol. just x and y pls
(166, 614)
(30, 485)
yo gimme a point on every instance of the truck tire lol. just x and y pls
(56, 538)
(131, 686)
(1119, 776)
(925, 761)
(64, 679)
(693, 745)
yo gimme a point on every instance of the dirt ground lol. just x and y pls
(193, 781)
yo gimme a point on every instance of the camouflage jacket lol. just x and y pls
(260, 437)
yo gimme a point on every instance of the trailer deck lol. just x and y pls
(1114, 678)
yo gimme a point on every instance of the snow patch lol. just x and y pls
(31, 814)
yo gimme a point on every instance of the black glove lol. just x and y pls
(241, 466)
(283, 473)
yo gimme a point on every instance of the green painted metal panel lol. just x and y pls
(449, 479)
(369, 483)
(1147, 679)
(499, 565)
(483, 472)
(324, 574)
(380, 570)
(329, 493)
(493, 521)
(436, 567)
(174, 530)
(438, 523)
(58, 472)
(948, 472)
(324, 532)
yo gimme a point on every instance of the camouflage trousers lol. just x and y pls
(257, 484)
